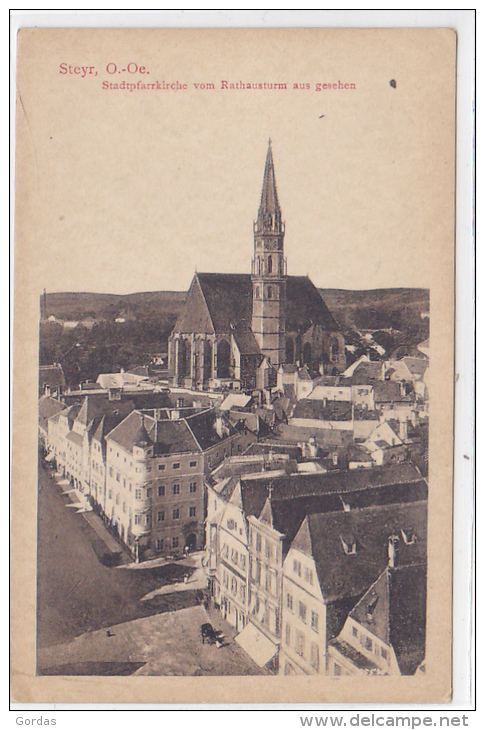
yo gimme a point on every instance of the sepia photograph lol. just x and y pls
(235, 260)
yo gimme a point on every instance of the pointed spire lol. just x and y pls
(141, 437)
(269, 196)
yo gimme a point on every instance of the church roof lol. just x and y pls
(217, 303)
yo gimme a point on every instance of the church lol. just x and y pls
(237, 330)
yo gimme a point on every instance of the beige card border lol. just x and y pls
(435, 686)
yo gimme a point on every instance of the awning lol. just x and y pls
(256, 644)
(50, 456)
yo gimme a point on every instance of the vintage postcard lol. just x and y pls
(233, 365)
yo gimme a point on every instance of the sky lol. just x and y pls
(134, 191)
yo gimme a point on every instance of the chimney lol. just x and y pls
(403, 430)
(392, 550)
(335, 458)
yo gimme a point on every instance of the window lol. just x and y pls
(314, 656)
(289, 601)
(354, 631)
(233, 586)
(242, 561)
(302, 611)
(299, 643)
(368, 643)
(111, 470)
(176, 465)
(314, 621)
(138, 519)
(160, 516)
(138, 494)
(192, 511)
(193, 487)
(288, 634)
(268, 549)
(297, 567)
(117, 499)
(110, 494)
(176, 489)
(258, 542)
(159, 545)
(175, 542)
(309, 576)
(149, 492)
(176, 514)
(384, 653)
(161, 490)
(193, 464)
(161, 467)
(270, 265)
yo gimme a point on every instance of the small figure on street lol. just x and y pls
(108, 633)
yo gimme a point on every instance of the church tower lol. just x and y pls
(268, 271)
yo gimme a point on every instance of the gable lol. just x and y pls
(195, 315)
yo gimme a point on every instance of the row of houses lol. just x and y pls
(140, 462)
(291, 556)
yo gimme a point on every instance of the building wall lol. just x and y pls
(366, 644)
(158, 501)
(265, 577)
(304, 618)
(231, 581)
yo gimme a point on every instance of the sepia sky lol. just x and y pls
(133, 191)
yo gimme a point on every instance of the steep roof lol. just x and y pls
(394, 610)
(168, 436)
(51, 375)
(48, 407)
(316, 410)
(203, 426)
(350, 549)
(221, 302)
(295, 495)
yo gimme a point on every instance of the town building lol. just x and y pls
(385, 634)
(143, 469)
(252, 520)
(237, 329)
(332, 563)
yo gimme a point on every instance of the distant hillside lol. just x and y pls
(369, 309)
(78, 305)
(377, 308)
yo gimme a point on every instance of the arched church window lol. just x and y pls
(223, 359)
(290, 350)
(270, 292)
(270, 265)
(257, 293)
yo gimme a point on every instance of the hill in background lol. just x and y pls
(106, 332)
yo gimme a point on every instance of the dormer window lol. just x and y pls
(350, 548)
(409, 538)
(371, 609)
